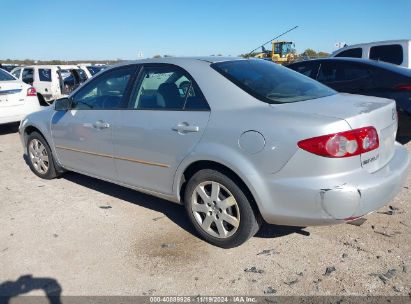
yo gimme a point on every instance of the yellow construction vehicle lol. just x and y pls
(282, 52)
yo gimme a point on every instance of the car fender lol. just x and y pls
(228, 157)
(41, 122)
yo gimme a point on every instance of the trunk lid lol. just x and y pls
(12, 93)
(359, 111)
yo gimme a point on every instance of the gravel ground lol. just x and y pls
(89, 237)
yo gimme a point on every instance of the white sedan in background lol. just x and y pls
(17, 99)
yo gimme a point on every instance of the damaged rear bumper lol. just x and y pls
(332, 199)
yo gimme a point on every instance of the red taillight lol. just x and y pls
(31, 92)
(344, 144)
(404, 87)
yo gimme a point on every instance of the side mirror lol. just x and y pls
(62, 104)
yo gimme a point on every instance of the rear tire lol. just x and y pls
(219, 210)
(40, 158)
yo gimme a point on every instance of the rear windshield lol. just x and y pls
(270, 82)
(4, 76)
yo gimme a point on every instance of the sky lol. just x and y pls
(125, 29)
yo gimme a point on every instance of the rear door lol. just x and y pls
(346, 77)
(83, 135)
(166, 117)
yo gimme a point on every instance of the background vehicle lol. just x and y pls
(235, 140)
(49, 80)
(17, 99)
(393, 51)
(282, 52)
(8, 67)
(92, 70)
(365, 77)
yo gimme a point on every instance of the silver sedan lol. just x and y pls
(237, 141)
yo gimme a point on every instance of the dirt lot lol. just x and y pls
(90, 237)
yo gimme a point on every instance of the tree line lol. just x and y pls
(308, 53)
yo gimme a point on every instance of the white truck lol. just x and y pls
(393, 51)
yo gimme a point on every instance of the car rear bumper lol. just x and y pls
(17, 113)
(334, 199)
(11, 118)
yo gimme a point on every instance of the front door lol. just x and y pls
(83, 135)
(166, 117)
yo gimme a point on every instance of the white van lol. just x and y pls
(51, 81)
(393, 51)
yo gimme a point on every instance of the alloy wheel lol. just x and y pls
(215, 209)
(39, 156)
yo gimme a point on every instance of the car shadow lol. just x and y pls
(27, 283)
(174, 212)
(9, 128)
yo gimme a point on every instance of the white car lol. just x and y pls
(17, 99)
(393, 51)
(51, 81)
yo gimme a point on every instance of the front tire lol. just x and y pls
(40, 158)
(219, 210)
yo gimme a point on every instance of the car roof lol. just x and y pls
(180, 60)
(375, 63)
(384, 42)
(49, 66)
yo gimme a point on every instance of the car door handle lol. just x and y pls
(184, 127)
(101, 125)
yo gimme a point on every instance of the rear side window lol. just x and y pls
(354, 53)
(270, 82)
(389, 53)
(167, 88)
(307, 68)
(341, 71)
(4, 76)
(45, 75)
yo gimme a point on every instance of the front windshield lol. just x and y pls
(286, 48)
(4, 76)
(270, 82)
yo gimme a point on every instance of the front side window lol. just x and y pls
(105, 92)
(167, 88)
(353, 53)
(270, 82)
(389, 53)
(45, 75)
(28, 76)
(339, 71)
